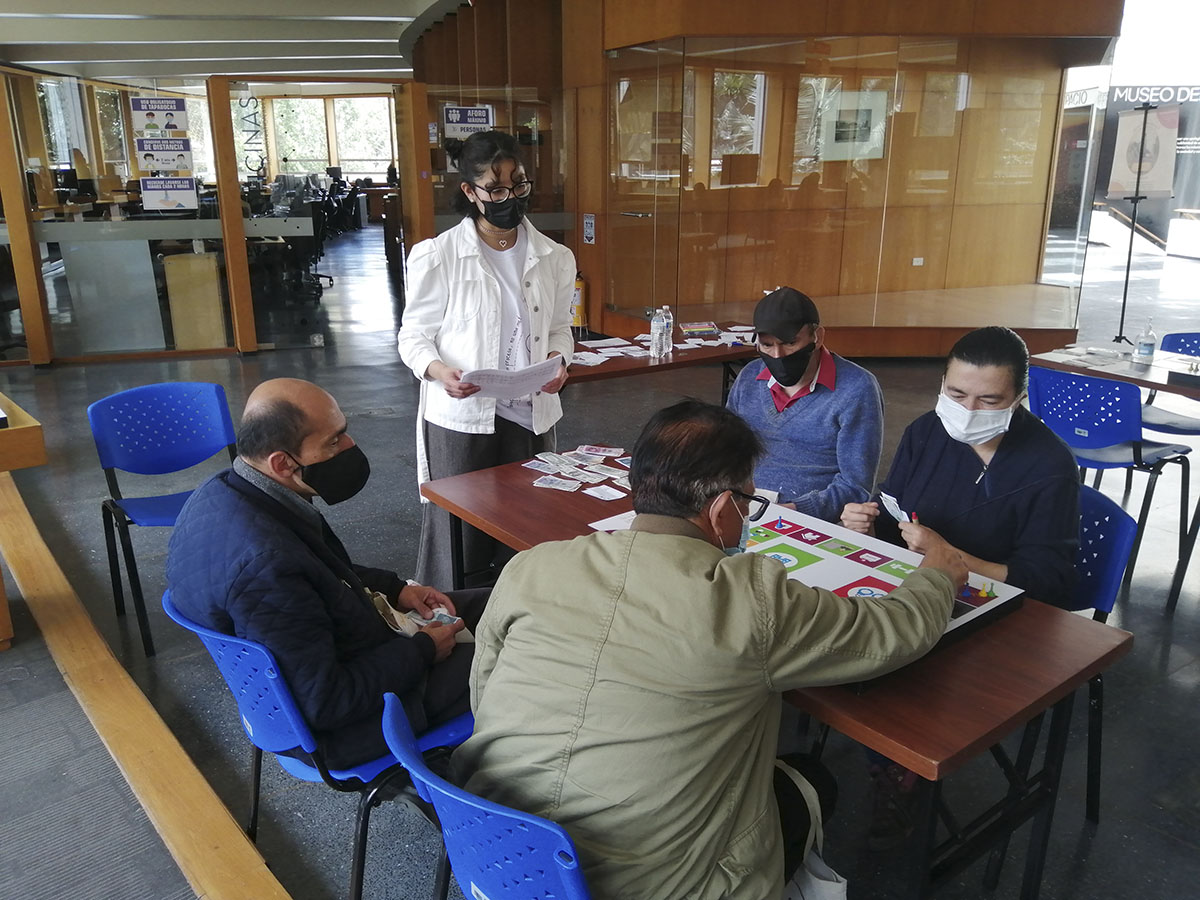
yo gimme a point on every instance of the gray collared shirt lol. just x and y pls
(292, 501)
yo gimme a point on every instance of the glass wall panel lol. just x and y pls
(301, 136)
(366, 136)
(898, 180)
(128, 234)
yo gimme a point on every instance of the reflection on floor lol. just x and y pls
(66, 806)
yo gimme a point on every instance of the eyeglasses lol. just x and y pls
(501, 193)
(758, 505)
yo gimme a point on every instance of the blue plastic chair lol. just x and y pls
(495, 852)
(273, 722)
(1155, 419)
(153, 430)
(1106, 537)
(1101, 421)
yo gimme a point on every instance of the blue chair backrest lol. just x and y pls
(160, 428)
(269, 714)
(1084, 411)
(1181, 342)
(1106, 535)
(495, 852)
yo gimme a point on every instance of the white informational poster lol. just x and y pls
(1156, 159)
(463, 121)
(169, 193)
(164, 154)
(158, 115)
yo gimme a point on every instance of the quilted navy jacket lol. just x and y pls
(239, 562)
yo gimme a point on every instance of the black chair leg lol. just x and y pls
(1096, 479)
(1128, 482)
(367, 800)
(135, 588)
(1184, 486)
(255, 788)
(1095, 735)
(1141, 527)
(114, 567)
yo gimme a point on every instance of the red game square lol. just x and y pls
(810, 536)
(865, 587)
(869, 558)
(780, 526)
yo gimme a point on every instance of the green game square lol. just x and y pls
(838, 547)
(802, 558)
(759, 533)
(897, 568)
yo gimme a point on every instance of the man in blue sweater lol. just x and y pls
(819, 416)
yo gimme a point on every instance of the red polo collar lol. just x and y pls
(826, 375)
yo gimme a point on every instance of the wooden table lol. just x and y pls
(932, 716)
(960, 701)
(1168, 372)
(21, 446)
(620, 366)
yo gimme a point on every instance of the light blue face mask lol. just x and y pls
(743, 540)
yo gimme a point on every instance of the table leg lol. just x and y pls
(1039, 836)
(729, 374)
(920, 845)
(6, 627)
(1185, 556)
(458, 575)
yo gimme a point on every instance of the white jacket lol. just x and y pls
(452, 313)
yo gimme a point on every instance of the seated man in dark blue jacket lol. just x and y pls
(252, 556)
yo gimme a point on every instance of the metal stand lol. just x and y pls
(1135, 200)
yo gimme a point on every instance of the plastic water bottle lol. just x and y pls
(660, 340)
(670, 317)
(1145, 343)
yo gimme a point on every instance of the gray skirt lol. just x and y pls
(454, 453)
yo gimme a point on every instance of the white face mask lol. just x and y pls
(972, 426)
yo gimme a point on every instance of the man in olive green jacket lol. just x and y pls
(628, 685)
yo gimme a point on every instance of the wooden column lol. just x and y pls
(416, 187)
(233, 227)
(27, 259)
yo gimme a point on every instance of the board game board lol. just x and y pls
(858, 565)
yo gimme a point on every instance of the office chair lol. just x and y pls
(1155, 419)
(273, 722)
(495, 852)
(155, 429)
(1100, 419)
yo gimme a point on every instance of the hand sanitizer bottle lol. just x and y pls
(1145, 343)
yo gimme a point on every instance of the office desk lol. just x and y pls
(932, 716)
(1168, 372)
(21, 446)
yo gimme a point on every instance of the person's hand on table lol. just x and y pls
(860, 517)
(918, 537)
(451, 380)
(443, 637)
(555, 384)
(941, 555)
(422, 599)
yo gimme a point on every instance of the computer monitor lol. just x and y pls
(334, 172)
(66, 178)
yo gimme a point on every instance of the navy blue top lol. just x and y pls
(1023, 512)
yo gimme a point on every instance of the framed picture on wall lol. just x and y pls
(853, 127)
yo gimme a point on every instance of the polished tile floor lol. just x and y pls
(71, 828)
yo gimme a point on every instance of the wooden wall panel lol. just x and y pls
(468, 59)
(893, 17)
(1063, 17)
(860, 251)
(534, 32)
(703, 220)
(915, 232)
(991, 245)
(1006, 151)
(491, 22)
(807, 250)
(583, 44)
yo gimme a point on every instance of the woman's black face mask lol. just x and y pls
(507, 213)
(788, 370)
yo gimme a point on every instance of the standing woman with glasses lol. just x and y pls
(491, 293)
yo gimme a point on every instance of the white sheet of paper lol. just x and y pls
(588, 359)
(619, 522)
(505, 384)
(893, 507)
(604, 492)
(606, 342)
(741, 327)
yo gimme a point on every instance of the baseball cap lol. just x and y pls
(783, 312)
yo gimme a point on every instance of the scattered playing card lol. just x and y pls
(625, 461)
(600, 451)
(584, 457)
(582, 475)
(558, 484)
(609, 471)
(604, 492)
(539, 465)
(555, 459)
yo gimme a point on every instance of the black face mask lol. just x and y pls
(507, 213)
(339, 477)
(788, 370)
